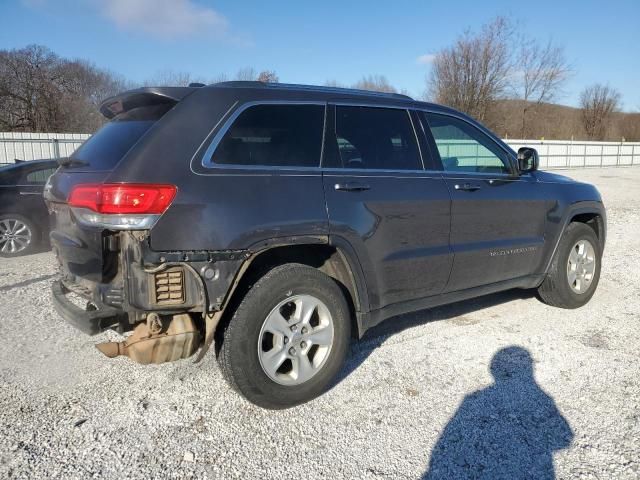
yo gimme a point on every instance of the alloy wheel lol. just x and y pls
(581, 266)
(15, 236)
(295, 340)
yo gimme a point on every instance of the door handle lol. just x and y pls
(351, 187)
(30, 193)
(467, 187)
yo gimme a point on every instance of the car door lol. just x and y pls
(380, 199)
(29, 201)
(497, 215)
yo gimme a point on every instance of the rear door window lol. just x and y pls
(273, 135)
(104, 149)
(40, 176)
(376, 139)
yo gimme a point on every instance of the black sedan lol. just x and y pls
(24, 221)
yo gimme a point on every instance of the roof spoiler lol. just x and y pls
(141, 97)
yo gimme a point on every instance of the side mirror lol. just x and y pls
(528, 160)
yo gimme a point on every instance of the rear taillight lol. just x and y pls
(121, 205)
(123, 198)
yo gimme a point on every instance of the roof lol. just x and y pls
(162, 95)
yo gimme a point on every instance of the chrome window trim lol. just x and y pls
(207, 157)
(227, 120)
(251, 172)
(206, 139)
(485, 177)
(509, 152)
(376, 170)
(415, 135)
(359, 173)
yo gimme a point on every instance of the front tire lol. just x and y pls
(288, 338)
(575, 270)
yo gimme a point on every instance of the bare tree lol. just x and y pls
(629, 126)
(26, 78)
(250, 74)
(40, 91)
(540, 74)
(268, 76)
(82, 91)
(246, 73)
(474, 72)
(376, 83)
(221, 77)
(598, 103)
(172, 78)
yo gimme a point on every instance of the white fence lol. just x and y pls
(570, 154)
(33, 146)
(553, 153)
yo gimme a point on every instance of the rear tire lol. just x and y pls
(288, 338)
(18, 235)
(575, 270)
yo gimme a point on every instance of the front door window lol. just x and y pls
(463, 148)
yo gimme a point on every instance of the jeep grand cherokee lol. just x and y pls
(280, 220)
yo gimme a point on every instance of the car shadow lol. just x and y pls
(508, 430)
(376, 336)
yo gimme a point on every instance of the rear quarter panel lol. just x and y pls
(239, 208)
(220, 208)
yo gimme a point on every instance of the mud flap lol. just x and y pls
(210, 324)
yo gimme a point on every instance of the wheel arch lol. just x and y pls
(592, 219)
(592, 214)
(335, 261)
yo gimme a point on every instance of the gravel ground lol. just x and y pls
(498, 387)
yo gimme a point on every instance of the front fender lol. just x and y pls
(591, 207)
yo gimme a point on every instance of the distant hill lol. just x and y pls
(555, 122)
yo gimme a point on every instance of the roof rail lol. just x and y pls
(241, 83)
(313, 88)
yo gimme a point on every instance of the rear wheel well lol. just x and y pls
(325, 258)
(592, 220)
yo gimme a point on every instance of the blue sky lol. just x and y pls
(312, 42)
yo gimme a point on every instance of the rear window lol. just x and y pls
(112, 142)
(274, 135)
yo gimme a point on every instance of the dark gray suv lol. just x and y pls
(281, 220)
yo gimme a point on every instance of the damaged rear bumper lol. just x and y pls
(90, 321)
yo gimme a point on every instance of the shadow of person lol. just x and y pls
(508, 430)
